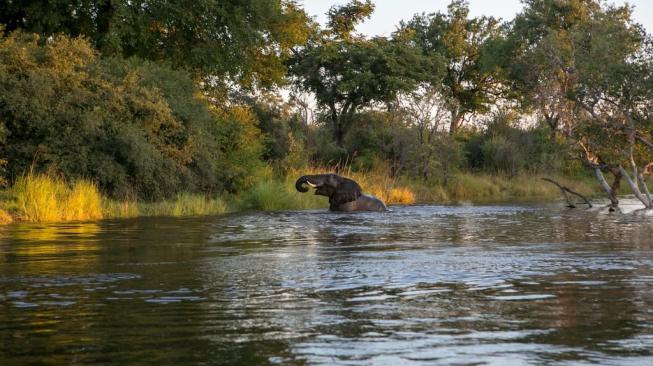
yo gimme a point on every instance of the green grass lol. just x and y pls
(274, 195)
(480, 187)
(184, 204)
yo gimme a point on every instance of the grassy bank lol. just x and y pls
(46, 198)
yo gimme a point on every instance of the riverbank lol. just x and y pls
(48, 199)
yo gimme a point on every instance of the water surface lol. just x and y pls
(420, 285)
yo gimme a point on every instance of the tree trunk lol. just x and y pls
(339, 136)
(610, 190)
(456, 121)
(336, 125)
(105, 11)
(645, 199)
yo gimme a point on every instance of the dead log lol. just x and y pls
(566, 191)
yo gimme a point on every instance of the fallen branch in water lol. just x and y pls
(566, 190)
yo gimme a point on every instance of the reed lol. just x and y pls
(82, 202)
(37, 197)
(46, 198)
(187, 204)
(277, 195)
(120, 209)
(5, 217)
(466, 187)
(184, 204)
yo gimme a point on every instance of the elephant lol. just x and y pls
(344, 194)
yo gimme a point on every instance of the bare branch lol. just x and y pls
(564, 191)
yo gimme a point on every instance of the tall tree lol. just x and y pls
(584, 66)
(541, 59)
(347, 74)
(245, 41)
(472, 81)
(615, 90)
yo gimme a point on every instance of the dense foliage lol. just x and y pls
(242, 41)
(150, 98)
(137, 128)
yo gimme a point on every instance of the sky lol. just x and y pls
(388, 13)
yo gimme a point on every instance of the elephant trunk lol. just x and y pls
(310, 180)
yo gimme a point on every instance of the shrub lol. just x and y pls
(138, 128)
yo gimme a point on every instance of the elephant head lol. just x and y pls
(340, 190)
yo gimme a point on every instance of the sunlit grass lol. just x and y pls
(5, 217)
(45, 198)
(401, 195)
(82, 202)
(37, 197)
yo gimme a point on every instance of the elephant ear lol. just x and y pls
(347, 191)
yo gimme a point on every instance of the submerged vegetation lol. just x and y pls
(116, 114)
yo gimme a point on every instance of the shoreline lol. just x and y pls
(277, 195)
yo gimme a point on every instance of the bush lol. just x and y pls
(140, 129)
(505, 148)
(502, 155)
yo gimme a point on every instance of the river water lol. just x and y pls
(420, 285)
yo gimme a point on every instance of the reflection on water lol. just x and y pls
(419, 285)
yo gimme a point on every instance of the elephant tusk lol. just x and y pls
(311, 184)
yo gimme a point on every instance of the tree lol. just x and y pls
(424, 110)
(343, 19)
(541, 61)
(615, 90)
(472, 81)
(585, 67)
(137, 128)
(347, 74)
(240, 41)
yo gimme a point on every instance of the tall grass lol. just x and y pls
(82, 202)
(121, 209)
(482, 187)
(46, 198)
(184, 204)
(277, 195)
(5, 217)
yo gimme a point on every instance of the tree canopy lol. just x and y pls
(471, 80)
(243, 41)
